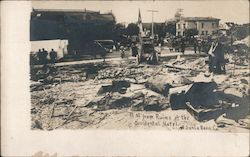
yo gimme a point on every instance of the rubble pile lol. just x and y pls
(137, 102)
(83, 96)
(119, 73)
(195, 64)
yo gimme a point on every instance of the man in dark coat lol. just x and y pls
(42, 56)
(53, 56)
(183, 45)
(216, 58)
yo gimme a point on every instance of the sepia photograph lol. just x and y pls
(125, 78)
(139, 65)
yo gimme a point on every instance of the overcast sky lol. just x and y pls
(127, 11)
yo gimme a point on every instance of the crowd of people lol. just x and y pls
(43, 57)
(212, 46)
(179, 44)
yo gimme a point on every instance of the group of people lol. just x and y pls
(42, 56)
(213, 47)
(179, 44)
(200, 45)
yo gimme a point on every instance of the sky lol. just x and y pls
(127, 11)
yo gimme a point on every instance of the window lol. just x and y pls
(184, 26)
(179, 33)
(206, 32)
(202, 25)
(179, 26)
(213, 25)
(202, 33)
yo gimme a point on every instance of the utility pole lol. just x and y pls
(152, 11)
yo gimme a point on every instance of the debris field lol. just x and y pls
(175, 94)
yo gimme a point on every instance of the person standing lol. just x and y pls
(53, 56)
(203, 49)
(103, 54)
(43, 56)
(216, 58)
(39, 56)
(199, 46)
(122, 52)
(183, 45)
(219, 58)
(177, 45)
(134, 50)
(195, 45)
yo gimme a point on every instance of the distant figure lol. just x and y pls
(118, 46)
(173, 44)
(176, 45)
(134, 50)
(103, 54)
(203, 48)
(199, 46)
(53, 56)
(39, 55)
(195, 45)
(42, 56)
(183, 45)
(122, 52)
(45, 54)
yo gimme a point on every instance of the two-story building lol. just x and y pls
(204, 25)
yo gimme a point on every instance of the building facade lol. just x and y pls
(79, 27)
(204, 25)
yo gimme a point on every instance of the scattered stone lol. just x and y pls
(137, 105)
(159, 84)
(204, 114)
(233, 91)
(105, 89)
(244, 81)
(138, 95)
(153, 104)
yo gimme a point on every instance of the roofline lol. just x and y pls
(205, 20)
(202, 19)
(65, 10)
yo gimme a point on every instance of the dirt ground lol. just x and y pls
(70, 97)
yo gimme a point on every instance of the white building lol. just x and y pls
(204, 25)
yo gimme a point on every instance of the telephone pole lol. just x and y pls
(152, 31)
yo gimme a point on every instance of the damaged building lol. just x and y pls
(204, 25)
(79, 27)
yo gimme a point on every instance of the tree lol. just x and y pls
(132, 29)
(160, 30)
(191, 32)
(170, 28)
(119, 31)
